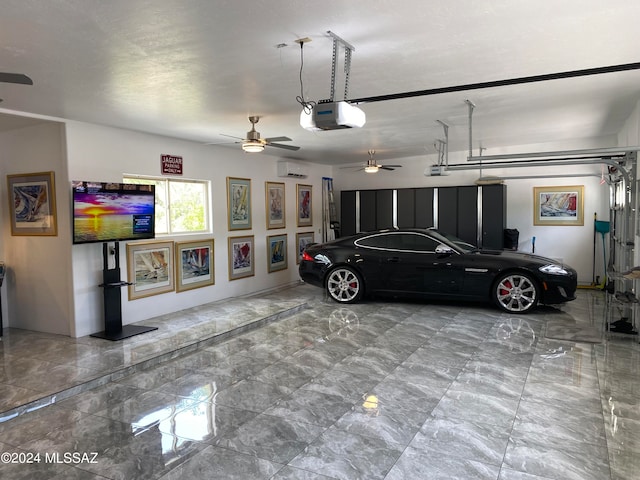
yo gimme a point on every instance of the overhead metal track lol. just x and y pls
(584, 153)
(501, 83)
(585, 160)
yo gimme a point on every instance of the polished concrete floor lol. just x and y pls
(291, 385)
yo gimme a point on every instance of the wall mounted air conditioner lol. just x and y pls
(292, 170)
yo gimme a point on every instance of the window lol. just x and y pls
(182, 206)
(374, 241)
(416, 243)
(402, 242)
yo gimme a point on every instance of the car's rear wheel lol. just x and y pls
(515, 292)
(344, 285)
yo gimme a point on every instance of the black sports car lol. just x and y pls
(430, 264)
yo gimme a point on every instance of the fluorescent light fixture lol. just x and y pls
(252, 147)
(371, 168)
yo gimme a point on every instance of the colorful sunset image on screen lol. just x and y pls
(112, 212)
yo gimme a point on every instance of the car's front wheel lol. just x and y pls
(344, 285)
(515, 293)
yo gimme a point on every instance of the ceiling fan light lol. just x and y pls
(252, 147)
(371, 168)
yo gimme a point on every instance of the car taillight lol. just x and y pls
(306, 257)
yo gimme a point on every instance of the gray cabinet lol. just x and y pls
(494, 216)
(424, 208)
(473, 213)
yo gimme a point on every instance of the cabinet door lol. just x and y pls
(448, 210)
(384, 209)
(494, 216)
(424, 208)
(347, 213)
(368, 216)
(467, 218)
(406, 208)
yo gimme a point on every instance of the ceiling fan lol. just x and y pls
(372, 166)
(19, 78)
(254, 144)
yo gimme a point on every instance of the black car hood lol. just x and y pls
(521, 256)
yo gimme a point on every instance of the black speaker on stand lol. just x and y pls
(111, 285)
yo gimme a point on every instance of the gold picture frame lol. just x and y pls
(275, 205)
(304, 204)
(150, 269)
(239, 203)
(241, 257)
(32, 204)
(194, 264)
(277, 253)
(558, 205)
(302, 240)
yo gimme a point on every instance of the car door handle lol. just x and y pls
(393, 259)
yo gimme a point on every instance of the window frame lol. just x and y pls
(359, 243)
(206, 184)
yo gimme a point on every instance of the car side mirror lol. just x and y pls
(444, 250)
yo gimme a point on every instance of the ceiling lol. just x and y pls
(197, 69)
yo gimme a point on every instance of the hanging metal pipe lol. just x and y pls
(544, 163)
(568, 175)
(471, 107)
(445, 144)
(621, 151)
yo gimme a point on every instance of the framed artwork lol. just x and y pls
(150, 268)
(194, 264)
(32, 204)
(562, 205)
(302, 240)
(276, 253)
(239, 203)
(275, 205)
(304, 205)
(241, 257)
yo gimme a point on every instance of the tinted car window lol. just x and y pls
(400, 241)
(414, 242)
(374, 241)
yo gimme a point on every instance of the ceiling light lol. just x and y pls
(371, 168)
(252, 147)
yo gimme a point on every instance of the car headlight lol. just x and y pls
(554, 269)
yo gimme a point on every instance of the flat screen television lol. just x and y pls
(111, 212)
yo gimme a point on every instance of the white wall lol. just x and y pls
(35, 291)
(573, 244)
(105, 154)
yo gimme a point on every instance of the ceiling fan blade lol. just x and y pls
(280, 145)
(277, 139)
(386, 167)
(15, 78)
(231, 136)
(222, 143)
(393, 166)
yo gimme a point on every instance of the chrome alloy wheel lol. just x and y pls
(516, 293)
(344, 285)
